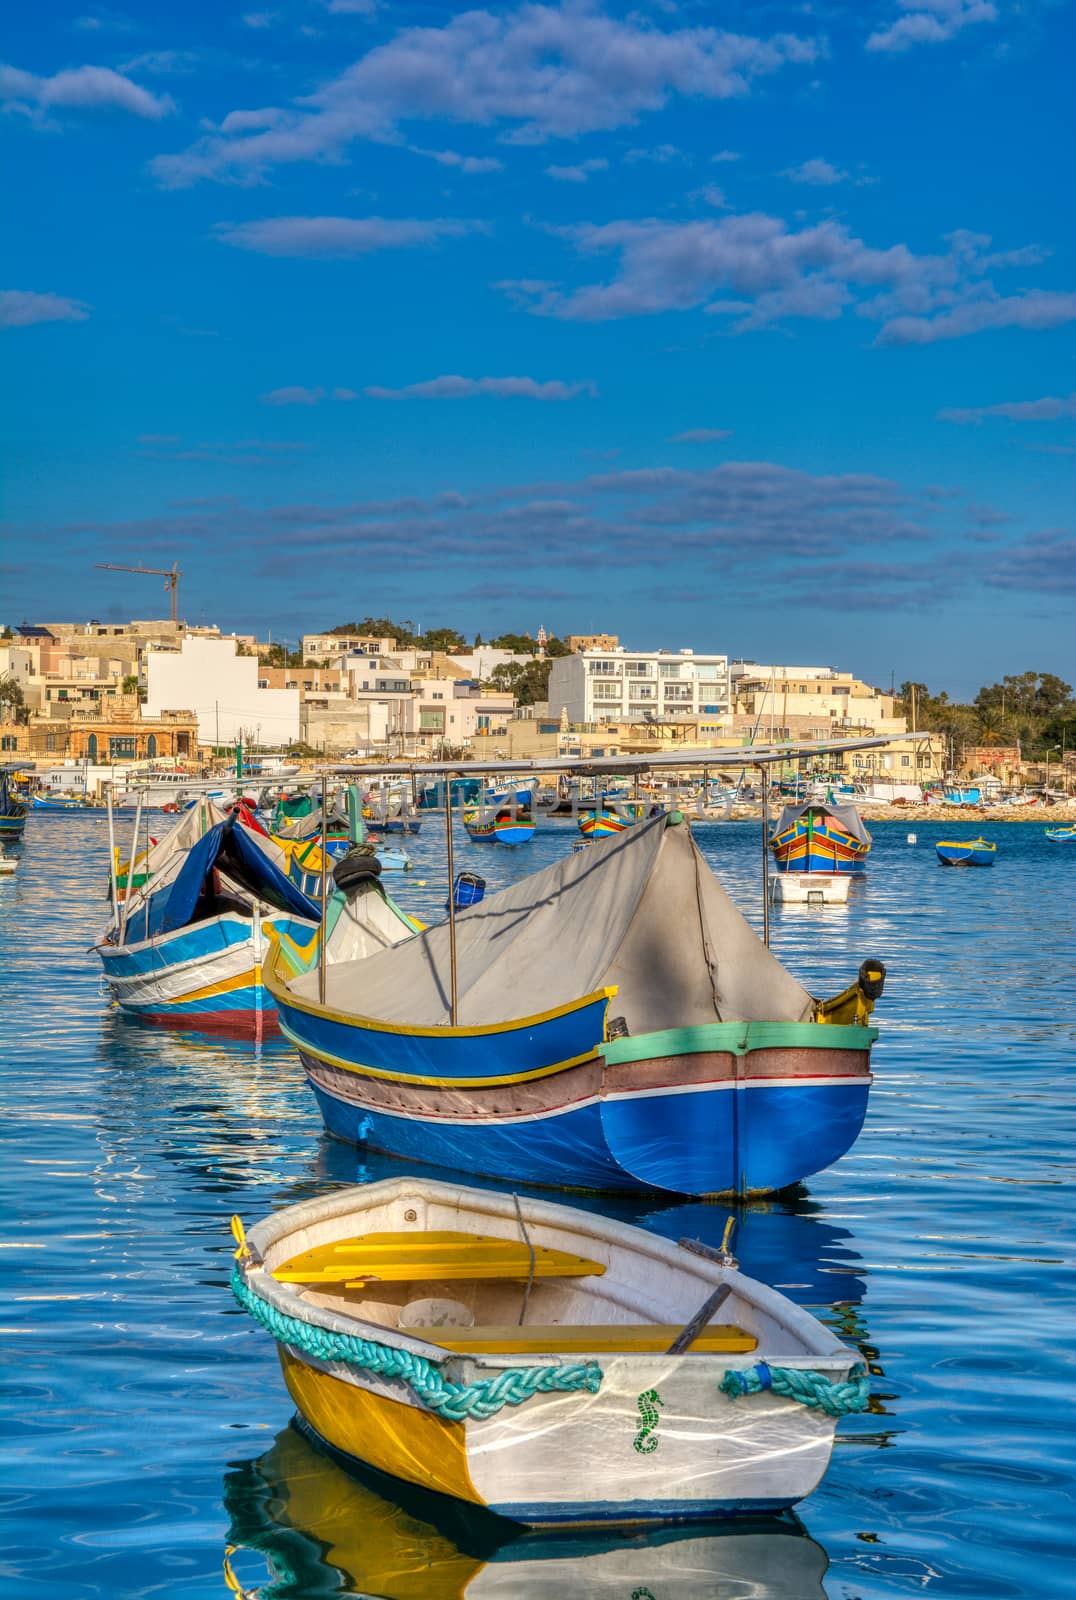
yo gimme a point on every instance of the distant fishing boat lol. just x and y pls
(820, 838)
(501, 820)
(608, 817)
(54, 802)
(966, 852)
(542, 1361)
(953, 795)
(656, 1045)
(7, 865)
(12, 811)
(1065, 835)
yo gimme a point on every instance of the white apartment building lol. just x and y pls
(210, 678)
(636, 686)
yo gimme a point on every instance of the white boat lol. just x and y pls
(810, 888)
(7, 865)
(545, 1362)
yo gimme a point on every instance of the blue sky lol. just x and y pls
(747, 327)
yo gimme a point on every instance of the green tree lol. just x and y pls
(520, 644)
(446, 639)
(12, 699)
(556, 647)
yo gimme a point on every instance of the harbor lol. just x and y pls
(934, 1250)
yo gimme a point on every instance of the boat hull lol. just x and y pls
(12, 825)
(822, 847)
(959, 855)
(206, 977)
(557, 1463)
(727, 1108)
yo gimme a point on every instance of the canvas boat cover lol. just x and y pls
(641, 910)
(236, 850)
(846, 817)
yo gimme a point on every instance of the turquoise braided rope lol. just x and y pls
(808, 1388)
(455, 1401)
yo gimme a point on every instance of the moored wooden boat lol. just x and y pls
(541, 1361)
(966, 852)
(1066, 835)
(619, 1026)
(820, 838)
(506, 823)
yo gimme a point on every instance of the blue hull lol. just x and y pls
(700, 1141)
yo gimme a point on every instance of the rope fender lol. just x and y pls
(808, 1388)
(454, 1401)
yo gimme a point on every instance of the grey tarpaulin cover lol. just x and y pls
(641, 910)
(847, 816)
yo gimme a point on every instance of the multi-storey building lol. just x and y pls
(637, 686)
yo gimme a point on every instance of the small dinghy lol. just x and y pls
(1062, 835)
(545, 1362)
(966, 852)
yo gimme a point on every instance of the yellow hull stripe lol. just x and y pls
(242, 980)
(432, 1083)
(415, 1445)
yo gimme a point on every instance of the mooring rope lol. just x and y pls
(455, 1401)
(808, 1388)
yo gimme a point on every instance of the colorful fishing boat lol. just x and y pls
(617, 1025)
(321, 1529)
(1065, 835)
(609, 817)
(506, 824)
(57, 802)
(820, 838)
(12, 811)
(542, 1361)
(186, 949)
(966, 852)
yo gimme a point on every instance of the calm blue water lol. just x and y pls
(145, 1419)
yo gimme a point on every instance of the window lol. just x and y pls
(905, 761)
(50, 741)
(637, 669)
(91, 747)
(151, 745)
(431, 721)
(603, 668)
(9, 742)
(607, 691)
(669, 669)
(121, 747)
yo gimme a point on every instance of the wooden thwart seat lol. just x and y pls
(418, 1257)
(597, 1339)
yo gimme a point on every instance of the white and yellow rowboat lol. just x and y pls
(542, 1361)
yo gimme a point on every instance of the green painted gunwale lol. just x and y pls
(739, 1039)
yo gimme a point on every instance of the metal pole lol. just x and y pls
(324, 887)
(765, 855)
(451, 900)
(131, 866)
(112, 860)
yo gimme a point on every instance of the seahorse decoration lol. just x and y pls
(646, 1440)
(642, 1594)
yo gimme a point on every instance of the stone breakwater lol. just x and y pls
(1056, 816)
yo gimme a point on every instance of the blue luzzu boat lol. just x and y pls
(186, 950)
(966, 852)
(618, 1025)
(1062, 835)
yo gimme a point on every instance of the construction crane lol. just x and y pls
(171, 576)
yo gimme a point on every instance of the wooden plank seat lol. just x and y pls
(597, 1339)
(418, 1257)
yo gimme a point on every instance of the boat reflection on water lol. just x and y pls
(301, 1527)
(785, 1240)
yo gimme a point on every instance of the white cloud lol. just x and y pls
(930, 22)
(539, 71)
(465, 164)
(457, 388)
(579, 173)
(726, 155)
(295, 395)
(759, 270)
(338, 236)
(22, 308)
(1050, 409)
(701, 436)
(83, 89)
(815, 171)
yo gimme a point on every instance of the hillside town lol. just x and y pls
(86, 704)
